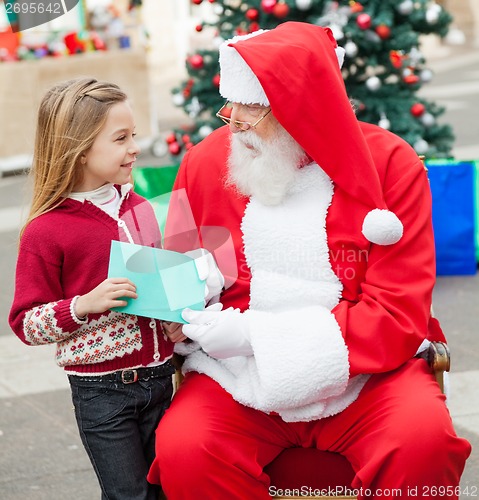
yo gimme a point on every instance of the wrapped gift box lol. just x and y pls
(155, 184)
(476, 200)
(454, 213)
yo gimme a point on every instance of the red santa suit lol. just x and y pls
(335, 282)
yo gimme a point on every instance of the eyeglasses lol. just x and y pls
(227, 106)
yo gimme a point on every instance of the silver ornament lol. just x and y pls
(427, 119)
(373, 83)
(351, 49)
(303, 4)
(159, 147)
(234, 4)
(391, 79)
(194, 108)
(432, 13)
(426, 75)
(384, 122)
(178, 99)
(415, 56)
(405, 8)
(421, 147)
(204, 131)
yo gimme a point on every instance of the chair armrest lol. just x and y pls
(439, 359)
(177, 361)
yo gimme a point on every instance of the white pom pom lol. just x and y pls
(382, 227)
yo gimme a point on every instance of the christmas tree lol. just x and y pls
(383, 70)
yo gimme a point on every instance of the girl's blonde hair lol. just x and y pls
(70, 116)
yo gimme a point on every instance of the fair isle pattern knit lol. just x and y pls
(94, 342)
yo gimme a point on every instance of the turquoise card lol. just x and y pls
(166, 282)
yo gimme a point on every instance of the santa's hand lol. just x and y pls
(208, 270)
(221, 334)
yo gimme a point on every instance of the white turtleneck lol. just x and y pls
(105, 197)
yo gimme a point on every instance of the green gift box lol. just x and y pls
(155, 184)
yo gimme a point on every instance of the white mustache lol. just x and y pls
(249, 138)
(266, 171)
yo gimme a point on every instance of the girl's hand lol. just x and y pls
(107, 294)
(173, 331)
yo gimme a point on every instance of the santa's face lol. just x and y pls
(252, 117)
(264, 162)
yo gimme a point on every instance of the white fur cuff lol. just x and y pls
(301, 357)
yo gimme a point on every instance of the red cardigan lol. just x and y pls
(64, 253)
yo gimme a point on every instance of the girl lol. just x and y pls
(118, 365)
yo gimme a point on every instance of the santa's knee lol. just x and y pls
(431, 444)
(425, 448)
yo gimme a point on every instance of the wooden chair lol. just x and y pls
(299, 473)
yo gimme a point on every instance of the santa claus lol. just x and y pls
(313, 344)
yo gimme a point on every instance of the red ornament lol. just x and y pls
(383, 31)
(411, 79)
(396, 58)
(253, 27)
(185, 138)
(199, 27)
(196, 2)
(364, 21)
(170, 138)
(216, 80)
(174, 148)
(197, 61)
(252, 14)
(188, 145)
(417, 109)
(281, 10)
(268, 5)
(356, 7)
(188, 87)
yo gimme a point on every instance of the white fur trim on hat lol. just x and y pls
(382, 227)
(340, 53)
(238, 83)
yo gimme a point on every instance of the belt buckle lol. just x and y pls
(129, 376)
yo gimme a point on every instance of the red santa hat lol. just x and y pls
(295, 69)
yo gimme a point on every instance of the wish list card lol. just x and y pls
(166, 282)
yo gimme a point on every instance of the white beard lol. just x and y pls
(267, 171)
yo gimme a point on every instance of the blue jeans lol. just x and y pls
(117, 423)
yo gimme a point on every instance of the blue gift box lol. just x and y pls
(453, 213)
